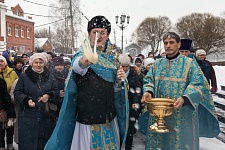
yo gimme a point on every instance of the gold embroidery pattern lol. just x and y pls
(199, 91)
(103, 137)
(184, 79)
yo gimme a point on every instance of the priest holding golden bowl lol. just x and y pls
(179, 78)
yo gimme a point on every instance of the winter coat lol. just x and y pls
(35, 127)
(9, 75)
(60, 78)
(210, 74)
(208, 71)
(18, 72)
(5, 102)
(134, 86)
(134, 96)
(16, 105)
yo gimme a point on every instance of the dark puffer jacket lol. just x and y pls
(5, 101)
(35, 127)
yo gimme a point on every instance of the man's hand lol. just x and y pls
(145, 97)
(85, 61)
(179, 103)
(31, 103)
(120, 76)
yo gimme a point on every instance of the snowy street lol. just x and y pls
(205, 143)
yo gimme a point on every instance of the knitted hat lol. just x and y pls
(99, 22)
(5, 54)
(124, 59)
(148, 61)
(200, 52)
(45, 54)
(58, 61)
(28, 54)
(36, 56)
(186, 44)
(3, 59)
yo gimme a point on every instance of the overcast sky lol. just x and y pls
(138, 10)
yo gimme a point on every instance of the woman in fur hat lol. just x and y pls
(34, 88)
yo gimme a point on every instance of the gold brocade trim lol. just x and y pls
(198, 90)
(95, 127)
(178, 79)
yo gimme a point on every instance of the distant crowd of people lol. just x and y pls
(101, 104)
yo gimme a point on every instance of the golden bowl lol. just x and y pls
(160, 108)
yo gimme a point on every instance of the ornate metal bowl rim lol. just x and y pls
(167, 100)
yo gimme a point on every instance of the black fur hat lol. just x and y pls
(99, 22)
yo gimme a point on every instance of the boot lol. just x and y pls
(129, 142)
(10, 147)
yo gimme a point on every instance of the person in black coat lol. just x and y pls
(207, 69)
(34, 88)
(134, 96)
(18, 65)
(6, 110)
(60, 72)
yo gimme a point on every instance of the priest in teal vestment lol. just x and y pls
(95, 109)
(179, 77)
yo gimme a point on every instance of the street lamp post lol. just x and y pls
(122, 25)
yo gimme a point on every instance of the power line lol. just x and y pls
(49, 23)
(43, 5)
(58, 8)
(31, 14)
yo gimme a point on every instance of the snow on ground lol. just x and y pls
(211, 144)
(220, 73)
(204, 143)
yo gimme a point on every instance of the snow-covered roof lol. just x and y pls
(10, 14)
(39, 42)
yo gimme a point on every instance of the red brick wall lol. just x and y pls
(47, 46)
(16, 8)
(19, 41)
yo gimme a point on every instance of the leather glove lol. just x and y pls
(213, 90)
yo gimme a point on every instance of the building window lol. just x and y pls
(22, 32)
(16, 32)
(22, 49)
(15, 48)
(18, 13)
(28, 33)
(9, 30)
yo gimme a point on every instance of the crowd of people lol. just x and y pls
(101, 104)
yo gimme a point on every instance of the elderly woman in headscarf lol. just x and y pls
(34, 88)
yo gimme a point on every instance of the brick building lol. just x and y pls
(19, 31)
(43, 44)
(2, 26)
